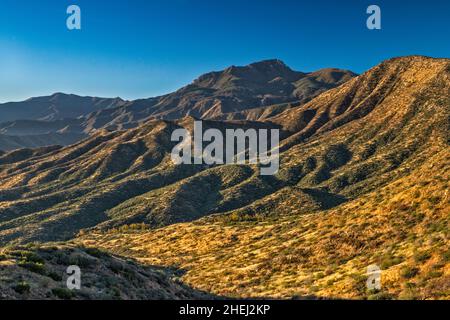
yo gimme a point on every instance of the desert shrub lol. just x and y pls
(95, 252)
(434, 274)
(417, 194)
(116, 293)
(310, 164)
(290, 176)
(62, 258)
(116, 266)
(33, 267)
(321, 175)
(237, 217)
(63, 293)
(439, 226)
(360, 283)
(446, 256)
(339, 183)
(81, 261)
(22, 288)
(55, 276)
(422, 256)
(336, 156)
(390, 260)
(138, 227)
(409, 294)
(28, 256)
(35, 258)
(409, 272)
(380, 296)
(368, 151)
(434, 200)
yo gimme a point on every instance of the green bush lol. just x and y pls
(63, 293)
(95, 252)
(381, 296)
(446, 256)
(337, 156)
(409, 272)
(389, 260)
(55, 276)
(22, 288)
(28, 256)
(422, 256)
(81, 261)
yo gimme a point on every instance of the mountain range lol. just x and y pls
(62, 119)
(363, 180)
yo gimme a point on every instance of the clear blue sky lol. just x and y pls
(143, 48)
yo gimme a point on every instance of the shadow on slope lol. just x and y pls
(39, 272)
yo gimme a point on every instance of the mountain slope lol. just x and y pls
(402, 227)
(47, 191)
(363, 179)
(39, 272)
(58, 106)
(62, 118)
(48, 120)
(343, 144)
(39, 140)
(381, 141)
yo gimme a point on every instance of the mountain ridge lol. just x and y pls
(117, 159)
(209, 96)
(363, 180)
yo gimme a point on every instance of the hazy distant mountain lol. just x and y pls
(39, 127)
(49, 120)
(58, 106)
(39, 140)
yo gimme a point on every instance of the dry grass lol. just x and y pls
(400, 227)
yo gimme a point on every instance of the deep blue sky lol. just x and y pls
(142, 48)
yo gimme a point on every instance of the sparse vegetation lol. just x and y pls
(363, 180)
(22, 288)
(106, 277)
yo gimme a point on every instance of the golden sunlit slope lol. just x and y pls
(402, 227)
(64, 119)
(51, 194)
(39, 272)
(363, 179)
(345, 143)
